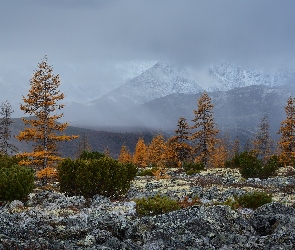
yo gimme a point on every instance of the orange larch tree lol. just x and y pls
(140, 154)
(205, 129)
(219, 155)
(42, 128)
(170, 154)
(156, 151)
(125, 156)
(287, 131)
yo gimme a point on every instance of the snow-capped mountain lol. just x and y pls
(226, 76)
(108, 94)
(163, 79)
(160, 80)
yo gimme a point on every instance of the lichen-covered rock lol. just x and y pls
(273, 218)
(49, 198)
(195, 226)
(51, 220)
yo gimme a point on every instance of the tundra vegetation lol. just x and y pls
(193, 148)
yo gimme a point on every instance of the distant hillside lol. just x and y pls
(237, 111)
(99, 140)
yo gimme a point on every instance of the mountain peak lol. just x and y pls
(158, 81)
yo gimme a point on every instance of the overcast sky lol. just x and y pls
(190, 32)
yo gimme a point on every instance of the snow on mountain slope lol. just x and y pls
(160, 80)
(226, 76)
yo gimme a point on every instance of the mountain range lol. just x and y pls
(153, 95)
(161, 94)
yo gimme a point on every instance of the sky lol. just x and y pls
(188, 32)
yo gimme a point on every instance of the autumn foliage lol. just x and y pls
(42, 127)
(287, 131)
(204, 129)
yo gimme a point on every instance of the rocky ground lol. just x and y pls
(51, 220)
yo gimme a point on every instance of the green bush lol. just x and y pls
(254, 200)
(155, 205)
(235, 161)
(193, 167)
(16, 182)
(270, 168)
(86, 155)
(147, 172)
(104, 176)
(252, 167)
(67, 176)
(8, 161)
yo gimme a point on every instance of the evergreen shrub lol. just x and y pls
(251, 167)
(7, 161)
(270, 167)
(155, 205)
(104, 176)
(254, 199)
(147, 172)
(193, 167)
(86, 155)
(16, 182)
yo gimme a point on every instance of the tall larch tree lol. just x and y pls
(156, 151)
(204, 129)
(262, 142)
(125, 156)
(140, 154)
(170, 154)
(287, 130)
(6, 148)
(180, 141)
(219, 155)
(42, 127)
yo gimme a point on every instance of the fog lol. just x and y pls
(81, 37)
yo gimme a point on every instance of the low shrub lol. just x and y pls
(193, 167)
(252, 167)
(104, 176)
(155, 205)
(233, 203)
(254, 199)
(86, 155)
(147, 172)
(16, 182)
(7, 161)
(235, 161)
(270, 167)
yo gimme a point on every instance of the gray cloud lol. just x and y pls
(186, 31)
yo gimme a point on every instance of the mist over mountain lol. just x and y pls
(235, 111)
(153, 95)
(226, 76)
(80, 82)
(160, 95)
(158, 81)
